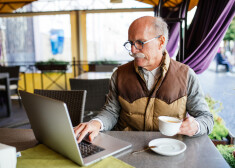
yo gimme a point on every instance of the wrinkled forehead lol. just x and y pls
(141, 30)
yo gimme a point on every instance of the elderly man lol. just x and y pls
(151, 85)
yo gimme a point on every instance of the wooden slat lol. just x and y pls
(8, 6)
(170, 3)
(15, 1)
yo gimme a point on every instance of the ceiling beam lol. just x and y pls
(30, 14)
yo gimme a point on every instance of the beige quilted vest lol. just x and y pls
(140, 108)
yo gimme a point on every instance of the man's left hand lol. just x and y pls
(189, 126)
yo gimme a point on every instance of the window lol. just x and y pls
(106, 34)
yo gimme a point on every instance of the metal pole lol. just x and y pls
(181, 50)
(41, 79)
(74, 67)
(159, 8)
(25, 86)
(185, 27)
(33, 77)
(65, 80)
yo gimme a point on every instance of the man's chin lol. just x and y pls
(139, 59)
(139, 62)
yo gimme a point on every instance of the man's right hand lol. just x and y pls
(92, 127)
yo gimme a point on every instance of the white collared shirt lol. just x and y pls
(150, 76)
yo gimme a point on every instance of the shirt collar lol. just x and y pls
(154, 72)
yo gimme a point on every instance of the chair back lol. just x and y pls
(14, 73)
(75, 101)
(97, 89)
(102, 67)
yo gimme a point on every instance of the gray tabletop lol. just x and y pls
(200, 152)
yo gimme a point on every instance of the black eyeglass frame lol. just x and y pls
(142, 43)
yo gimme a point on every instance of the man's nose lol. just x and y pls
(133, 49)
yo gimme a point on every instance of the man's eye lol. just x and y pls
(138, 42)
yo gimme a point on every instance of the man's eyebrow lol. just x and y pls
(143, 39)
(137, 40)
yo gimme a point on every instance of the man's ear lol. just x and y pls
(161, 42)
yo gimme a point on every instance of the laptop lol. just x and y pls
(52, 126)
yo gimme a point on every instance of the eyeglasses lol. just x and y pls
(139, 45)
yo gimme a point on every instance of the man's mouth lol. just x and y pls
(137, 55)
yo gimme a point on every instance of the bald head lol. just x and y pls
(150, 24)
(145, 21)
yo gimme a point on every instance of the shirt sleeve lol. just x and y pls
(197, 106)
(199, 130)
(110, 112)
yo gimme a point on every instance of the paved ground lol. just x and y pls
(18, 118)
(221, 86)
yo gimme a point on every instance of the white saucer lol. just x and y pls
(167, 146)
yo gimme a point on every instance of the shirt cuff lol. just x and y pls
(101, 123)
(198, 128)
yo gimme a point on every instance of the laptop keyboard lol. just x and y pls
(88, 149)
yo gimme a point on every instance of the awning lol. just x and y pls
(171, 3)
(8, 6)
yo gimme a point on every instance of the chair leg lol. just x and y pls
(19, 100)
(1, 100)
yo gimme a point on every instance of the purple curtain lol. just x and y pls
(174, 29)
(174, 36)
(207, 30)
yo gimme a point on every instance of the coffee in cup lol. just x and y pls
(169, 126)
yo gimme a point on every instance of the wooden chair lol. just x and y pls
(14, 73)
(97, 89)
(220, 61)
(75, 101)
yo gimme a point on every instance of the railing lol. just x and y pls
(33, 77)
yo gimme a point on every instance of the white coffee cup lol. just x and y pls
(169, 126)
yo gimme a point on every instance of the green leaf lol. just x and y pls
(227, 152)
(219, 130)
(230, 34)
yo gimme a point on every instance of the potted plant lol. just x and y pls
(51, 64)
(103, 65)
(220, 133)
(228, 152)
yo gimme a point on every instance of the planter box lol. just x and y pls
(102, 67)
(51, 67)
(224, 141)
(232, 137)
(216, 142)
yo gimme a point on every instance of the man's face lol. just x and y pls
(143, 31)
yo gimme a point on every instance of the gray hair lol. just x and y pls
(162, 29)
